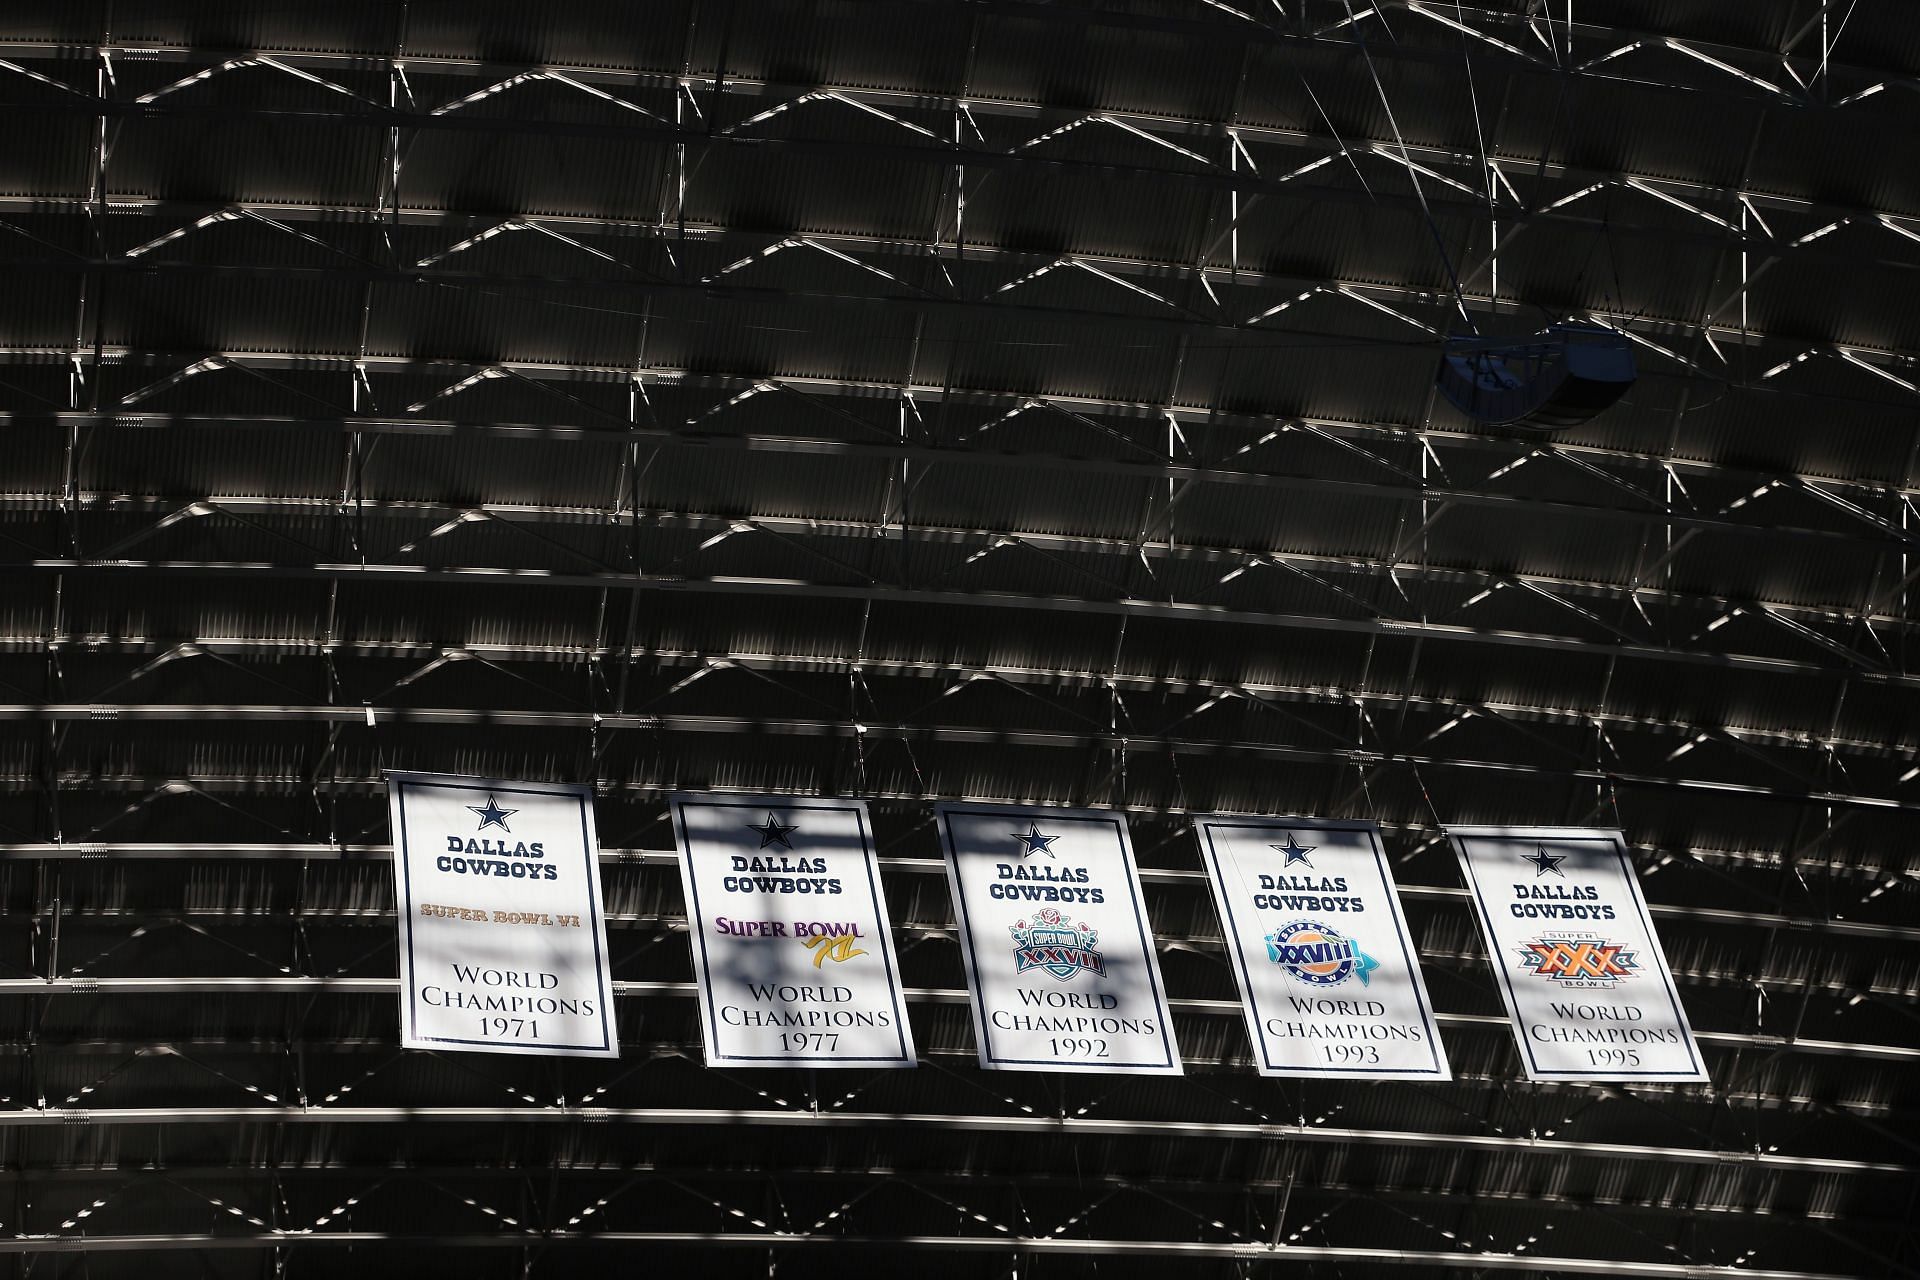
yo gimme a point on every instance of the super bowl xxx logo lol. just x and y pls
(1052, 944)
(1579, 960)
(1316, 953)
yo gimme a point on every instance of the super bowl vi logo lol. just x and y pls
(1315, 953)
(1579, 960)
(1053, 945)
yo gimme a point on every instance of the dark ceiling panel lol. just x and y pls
(931, 399)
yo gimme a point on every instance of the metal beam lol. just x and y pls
(638, 289)
(587, 1170)
(1051, 678)
(174, 508)
(156, 570)
(386, 119)
(1163, 1251)
(192, 216)
(1141, 742)
(1655, 466)
(1160, 1130)
(904, 103)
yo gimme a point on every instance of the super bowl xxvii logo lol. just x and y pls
(1052, 944)
(1579, 960)
(1315, 953)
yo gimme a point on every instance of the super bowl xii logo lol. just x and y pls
(1055, 946)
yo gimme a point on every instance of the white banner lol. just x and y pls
(1580, 969)
(1058, 948)
(791, 944)
(503, 944)
(1327, 972)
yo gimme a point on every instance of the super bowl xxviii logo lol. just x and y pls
(1579, 960)
(1315, 953)
(1052, 944)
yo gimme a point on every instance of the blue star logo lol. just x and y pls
(773, 831)
(1295, 851)
(1544, 862)
(1034, 841)
(492, 815)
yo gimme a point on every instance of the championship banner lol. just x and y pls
(791, 945)
(1582, 974)
(503, 944)
(1328, 977)
(1058, 948)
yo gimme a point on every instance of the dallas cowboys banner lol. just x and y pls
(1058, 948)
(503, 945)
(1329, 980)
(791, 944)
(1582, 974)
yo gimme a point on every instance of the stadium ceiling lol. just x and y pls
(913, 400)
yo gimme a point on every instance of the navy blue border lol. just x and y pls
(1437, 1071)
(1506, 978)
(697, 919)
(982, 1023)
(398, 783)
